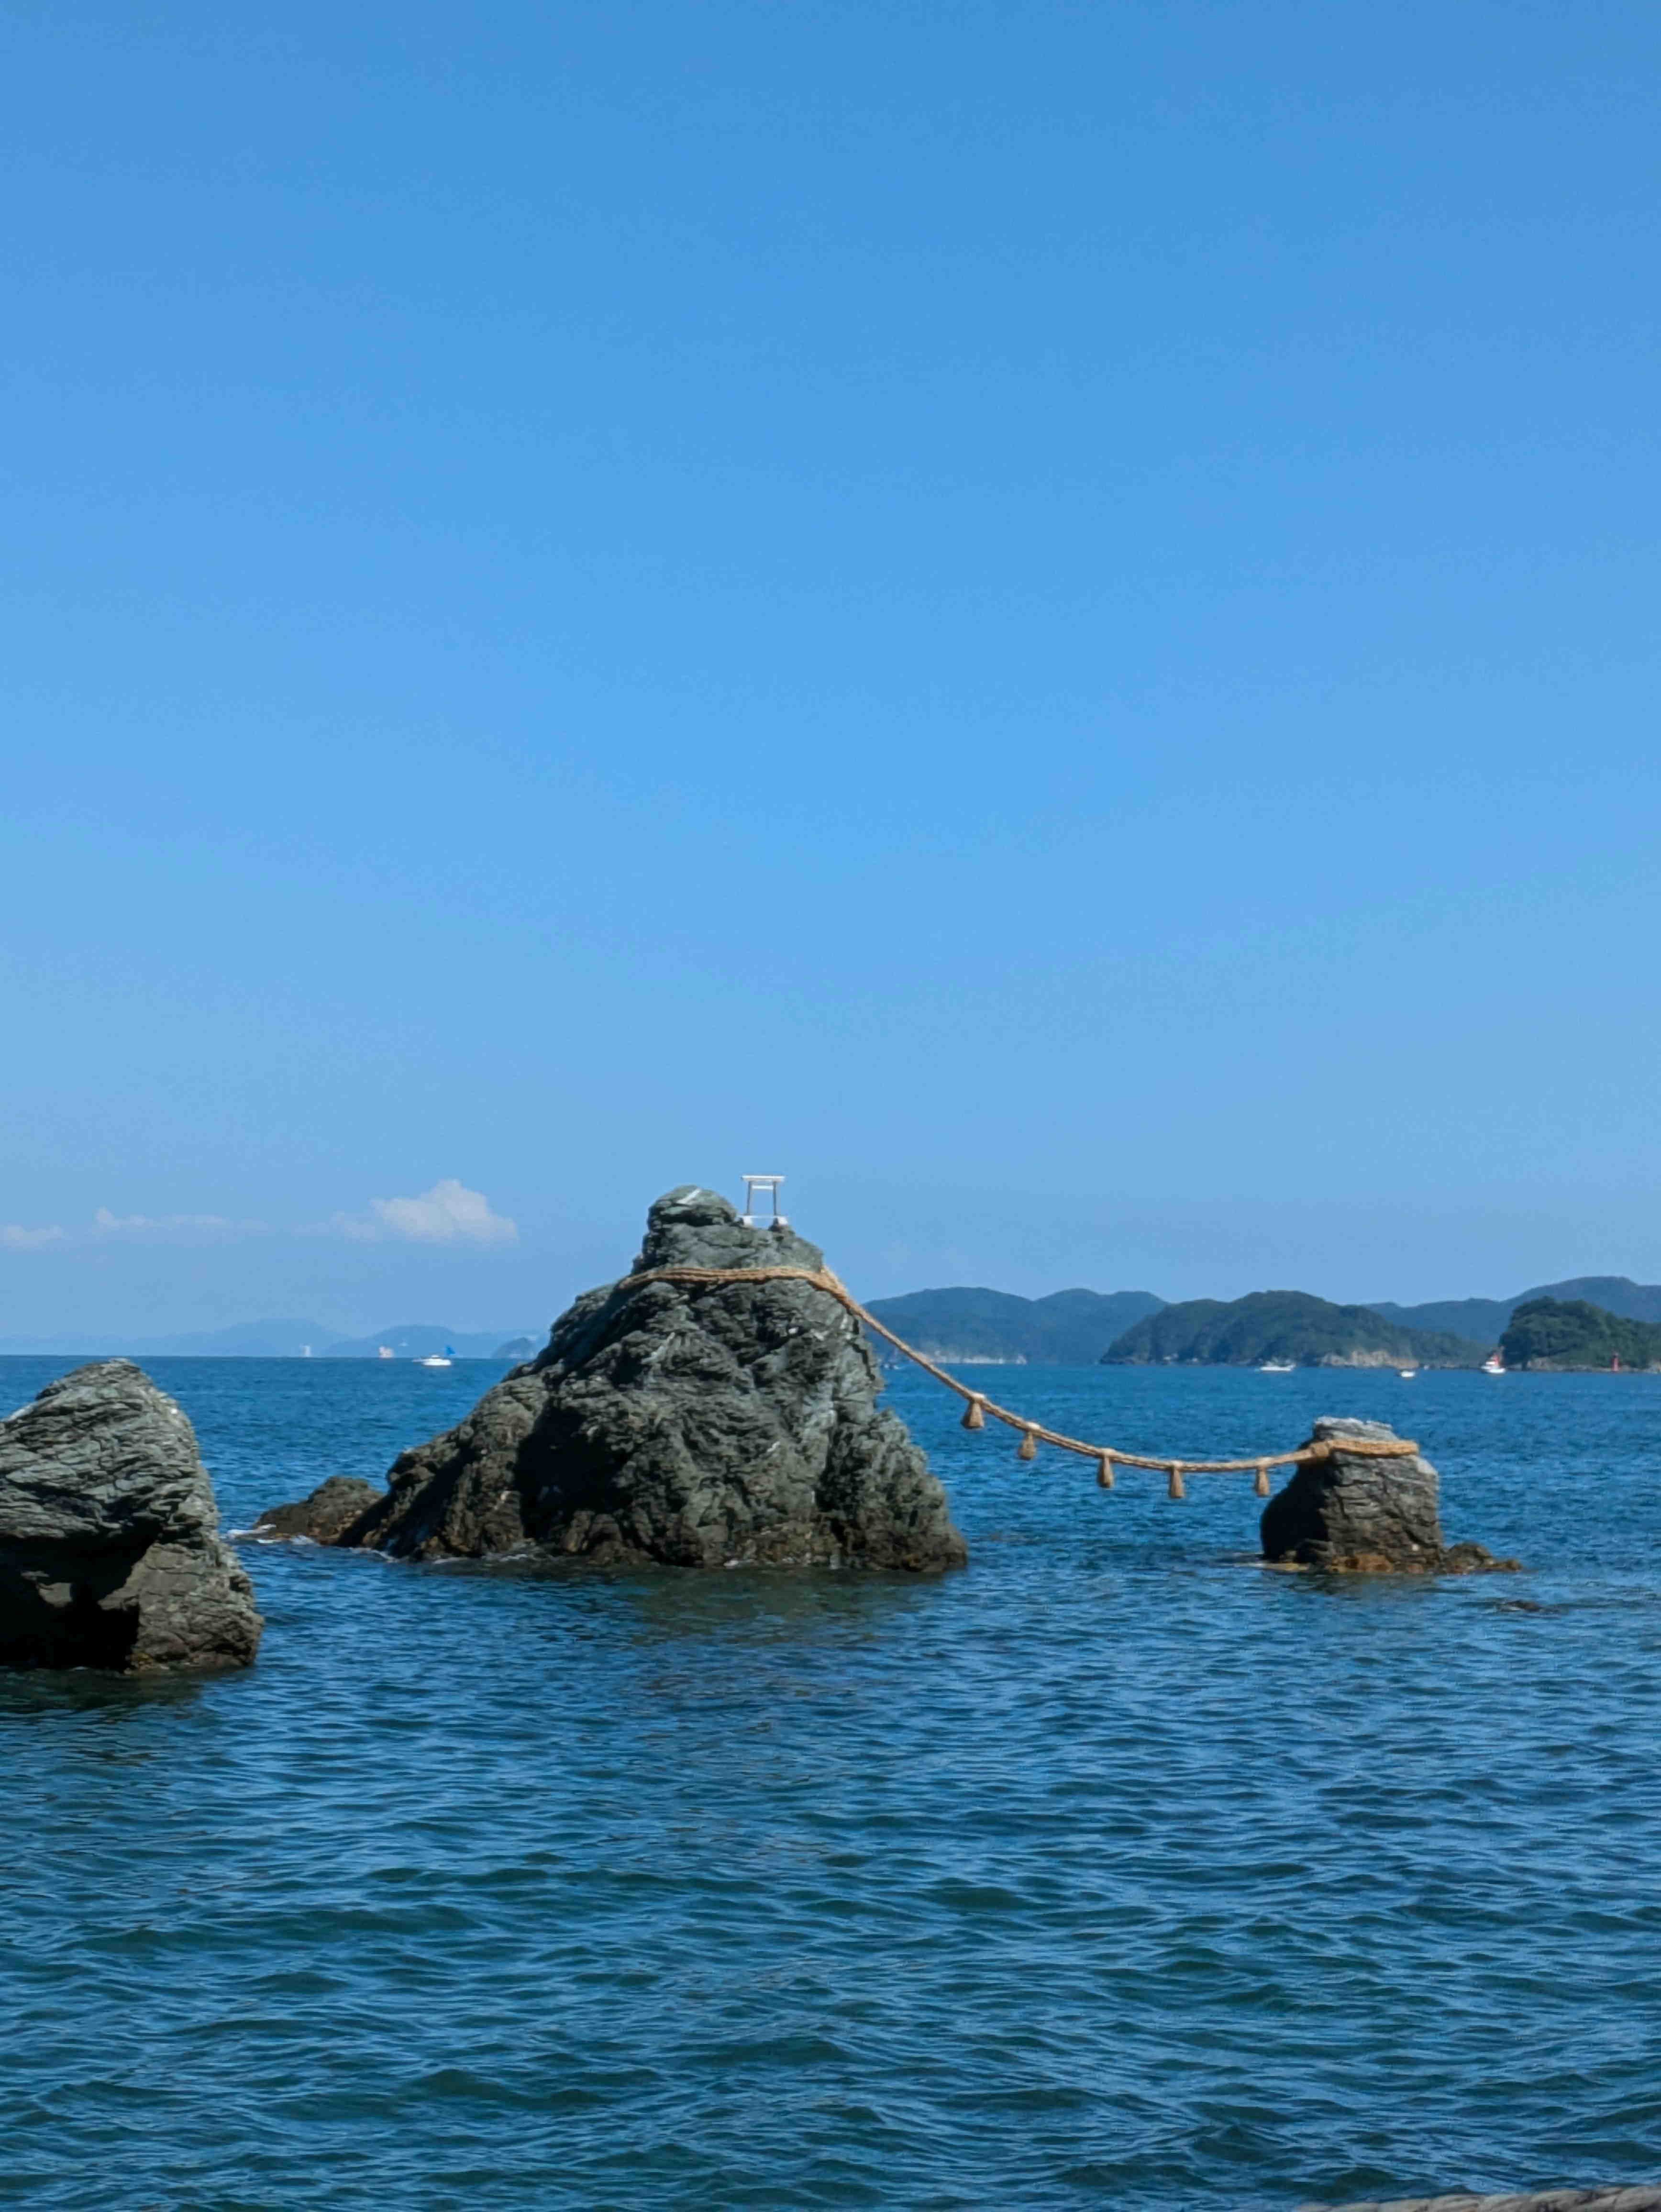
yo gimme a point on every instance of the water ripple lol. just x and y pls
(1114, 1870)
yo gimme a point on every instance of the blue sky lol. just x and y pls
(1041, 617)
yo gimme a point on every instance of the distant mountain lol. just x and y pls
(270, 1340)
(1569, 1333)
(414, 1340)
(1311, 1332)
(1068, 1328)
(1485, 1319)
(247, 1340)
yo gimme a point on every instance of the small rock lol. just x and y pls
(110, 1551)
(1468, 1558)
(325, 1514)
(1365, 1513)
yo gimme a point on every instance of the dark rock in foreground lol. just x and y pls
(110, 1551)
(1361, 1513)
(697, 1424)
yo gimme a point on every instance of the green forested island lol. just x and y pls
(1081, 1328)
(1287, 1325)
(1569, 1333)
(1484, 1320)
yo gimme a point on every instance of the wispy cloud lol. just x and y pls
(448, 1214)
(15, 1238)
(113, 1223)
(173, 1228)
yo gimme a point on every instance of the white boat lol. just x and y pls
(1277, 1367)
(436, 1359)
(385, 1351)
(1406, 1374)
(1494, 1364)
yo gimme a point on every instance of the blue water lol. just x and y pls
(1115, 1871)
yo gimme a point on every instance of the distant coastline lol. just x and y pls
(973, 1326)
(283, 1340)
(966, 1325)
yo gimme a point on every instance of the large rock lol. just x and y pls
(1364, 1512)
(699, 1424)
(110, 1551)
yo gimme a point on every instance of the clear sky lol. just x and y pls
(1044, 616)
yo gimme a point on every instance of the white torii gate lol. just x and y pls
(768, 1188)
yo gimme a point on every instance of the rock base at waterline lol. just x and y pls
(325, 1514)
(110, 1551)
(696, 1424)
(1365, 1513)
(1644, 2198)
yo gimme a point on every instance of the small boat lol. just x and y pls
(445, 1358)
(1494, 1364)
(1277, 1367)
(1406, 1374)
(385, 1351)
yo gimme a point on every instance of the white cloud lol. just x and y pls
(448, 1214)
(16, 1238)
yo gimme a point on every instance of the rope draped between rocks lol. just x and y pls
(1032, 1433)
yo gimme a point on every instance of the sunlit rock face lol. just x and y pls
(694, 1424)
(110, 1551)
(1361, 1512)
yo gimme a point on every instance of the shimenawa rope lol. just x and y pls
(1033, 1434)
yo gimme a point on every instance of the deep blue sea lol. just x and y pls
(1113, 1872)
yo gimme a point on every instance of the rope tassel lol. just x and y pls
(1029, 1447)
(1178, 1488)
(1105, 1471)
(1260, 1486)
(974, 1418)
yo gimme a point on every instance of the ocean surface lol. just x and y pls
(1115, 1871)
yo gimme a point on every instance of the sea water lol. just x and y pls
(1114, 1871)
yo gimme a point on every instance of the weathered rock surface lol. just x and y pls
(1358, 1513)
(694, 1424)
(325, 1514)
(110, 1551)
(1644, 2199)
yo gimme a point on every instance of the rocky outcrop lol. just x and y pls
(324, 1515)
(110, 1551)
(697, 1424)
(1359, 1512)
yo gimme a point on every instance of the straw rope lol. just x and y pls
(1032, 1433)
